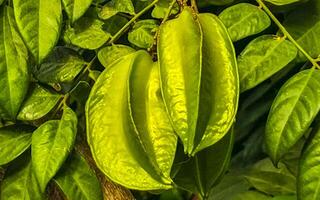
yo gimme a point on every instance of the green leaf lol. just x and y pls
(286, 197)
(230, 186)
(14, 77)
(110, 54)
(292, 112)
(62, 65)
(308, 179)
(81, 92)
(114, 24)
(131, 157)
(162, 7)
(76, 8)
(205, 3)
(243, 20)
(282, 2)
(14, 140)
(19, 181)
(218, 106)
(251, 195)
(51, 144)
(304, 26)
(77, 180)
(1, 1)
(262, 58)
(180, 73)
(272, 183)
(39, 23)
(38, 103)
(113, 7)
(143, 33)
(205, 170)
(87, 33)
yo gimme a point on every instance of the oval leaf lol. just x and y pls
(14, 77)
(200, 173)
(87, 33)
(62, 65)
(77, 180)
(39, 23)
(143, 33)
(180, 73)
(304, 26)
(51, 144)
(283, 2)
(108, 55)
(292, 112)
(308, 179)
(38, 103)
(19, 181)
(14, 140)
(76, 8)
(262, 58)
(122, 156)
(113, 7)
(243, 20)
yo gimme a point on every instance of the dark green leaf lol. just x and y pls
(77, 180)
(62, 65)
(205, 170)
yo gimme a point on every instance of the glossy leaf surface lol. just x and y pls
(14, 140)
(76, 8)
(117, 145)
(180, 73)
(39, 102)
(292, 112)
(87, 33)
(143, 33)
(262, 58)
(77, 180)
(62, 65)
(51, 144)
(14, 77)
(39, 23)
(243, 20)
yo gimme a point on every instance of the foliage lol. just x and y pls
(159, 99)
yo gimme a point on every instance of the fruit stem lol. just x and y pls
(287, 34)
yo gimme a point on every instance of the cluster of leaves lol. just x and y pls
(212, 99)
